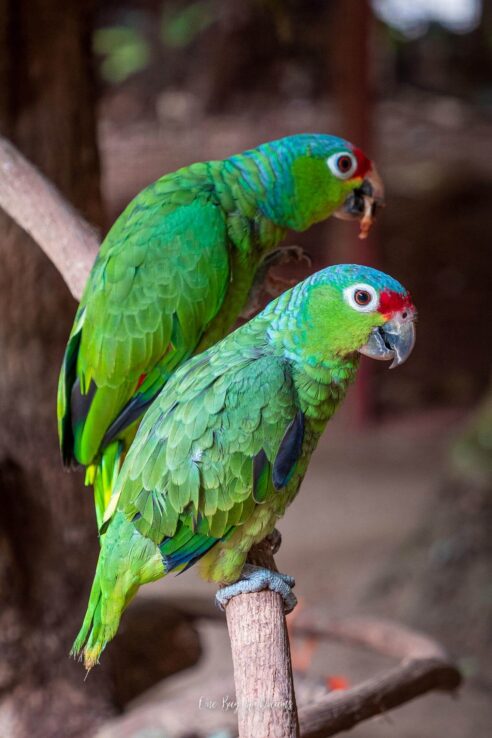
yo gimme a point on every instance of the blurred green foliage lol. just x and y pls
(182, 22)
(124, 50)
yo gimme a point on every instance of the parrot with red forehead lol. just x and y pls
(174, 273)
(224, 448)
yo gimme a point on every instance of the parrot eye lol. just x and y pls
(361, 297)
(343, 166)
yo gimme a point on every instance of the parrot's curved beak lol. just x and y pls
(393, 341)
(363, 203)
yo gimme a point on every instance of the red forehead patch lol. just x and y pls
(364, 165)
(393, 302)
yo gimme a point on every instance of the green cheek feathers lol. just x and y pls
(334, 324)
(317, 192)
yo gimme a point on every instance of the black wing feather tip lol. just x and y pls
(69, 370)
(80, 404)
(289, 452)
(131, 412)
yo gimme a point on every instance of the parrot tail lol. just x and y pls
(90, 641)
(127, 560)
(102, 475)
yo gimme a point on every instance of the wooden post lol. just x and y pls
(266, 702)
(352, 77)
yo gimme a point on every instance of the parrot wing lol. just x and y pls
(159, 279)
(224, 439)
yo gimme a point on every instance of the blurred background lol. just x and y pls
(395, 515)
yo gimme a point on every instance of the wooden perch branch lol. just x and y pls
(41, 210)
(342, 710)
(382, 636)
(261, 656)
(424, 666)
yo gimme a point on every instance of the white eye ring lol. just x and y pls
(350, 297)
(343, 164)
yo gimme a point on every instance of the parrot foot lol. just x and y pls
(272, 285)
(274, 540)
(255, 579)
(287, 255)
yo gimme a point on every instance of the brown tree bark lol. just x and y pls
(352, 79)
(48, 543)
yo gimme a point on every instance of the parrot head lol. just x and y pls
(352, 309)
(317, 175)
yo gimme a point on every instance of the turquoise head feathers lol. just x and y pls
(303, 179)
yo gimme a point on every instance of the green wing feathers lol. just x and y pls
(192, 462)
(102, 476)
(159, 279)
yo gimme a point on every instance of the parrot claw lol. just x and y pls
(274, 540)
(255, 579)
(270, 284)
(287, 255)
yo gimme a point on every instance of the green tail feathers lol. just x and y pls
(126, 561)
(102, 475)
(100, 623)
(91, 641)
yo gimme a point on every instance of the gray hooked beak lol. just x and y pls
(392, 341)
(363, 203)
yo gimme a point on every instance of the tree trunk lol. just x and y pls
(47, 542)
(352, 79)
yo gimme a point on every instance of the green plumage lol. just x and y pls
(223, 450)
(171, 278)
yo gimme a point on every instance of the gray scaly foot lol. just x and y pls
(256, 579)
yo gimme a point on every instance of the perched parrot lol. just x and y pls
(175, 271)
(225, 446)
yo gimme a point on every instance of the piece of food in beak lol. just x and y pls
(392, 341)
(368, 217)
(364, 202)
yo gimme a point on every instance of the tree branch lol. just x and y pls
(382, 636)
(41, 210)
(342, 710)
(266, 703)
(424, 667)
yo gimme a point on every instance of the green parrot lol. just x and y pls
(174, 273)
(225, 446)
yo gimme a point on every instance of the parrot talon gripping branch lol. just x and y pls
(224, 448)
(255, 579)
(174, 273)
